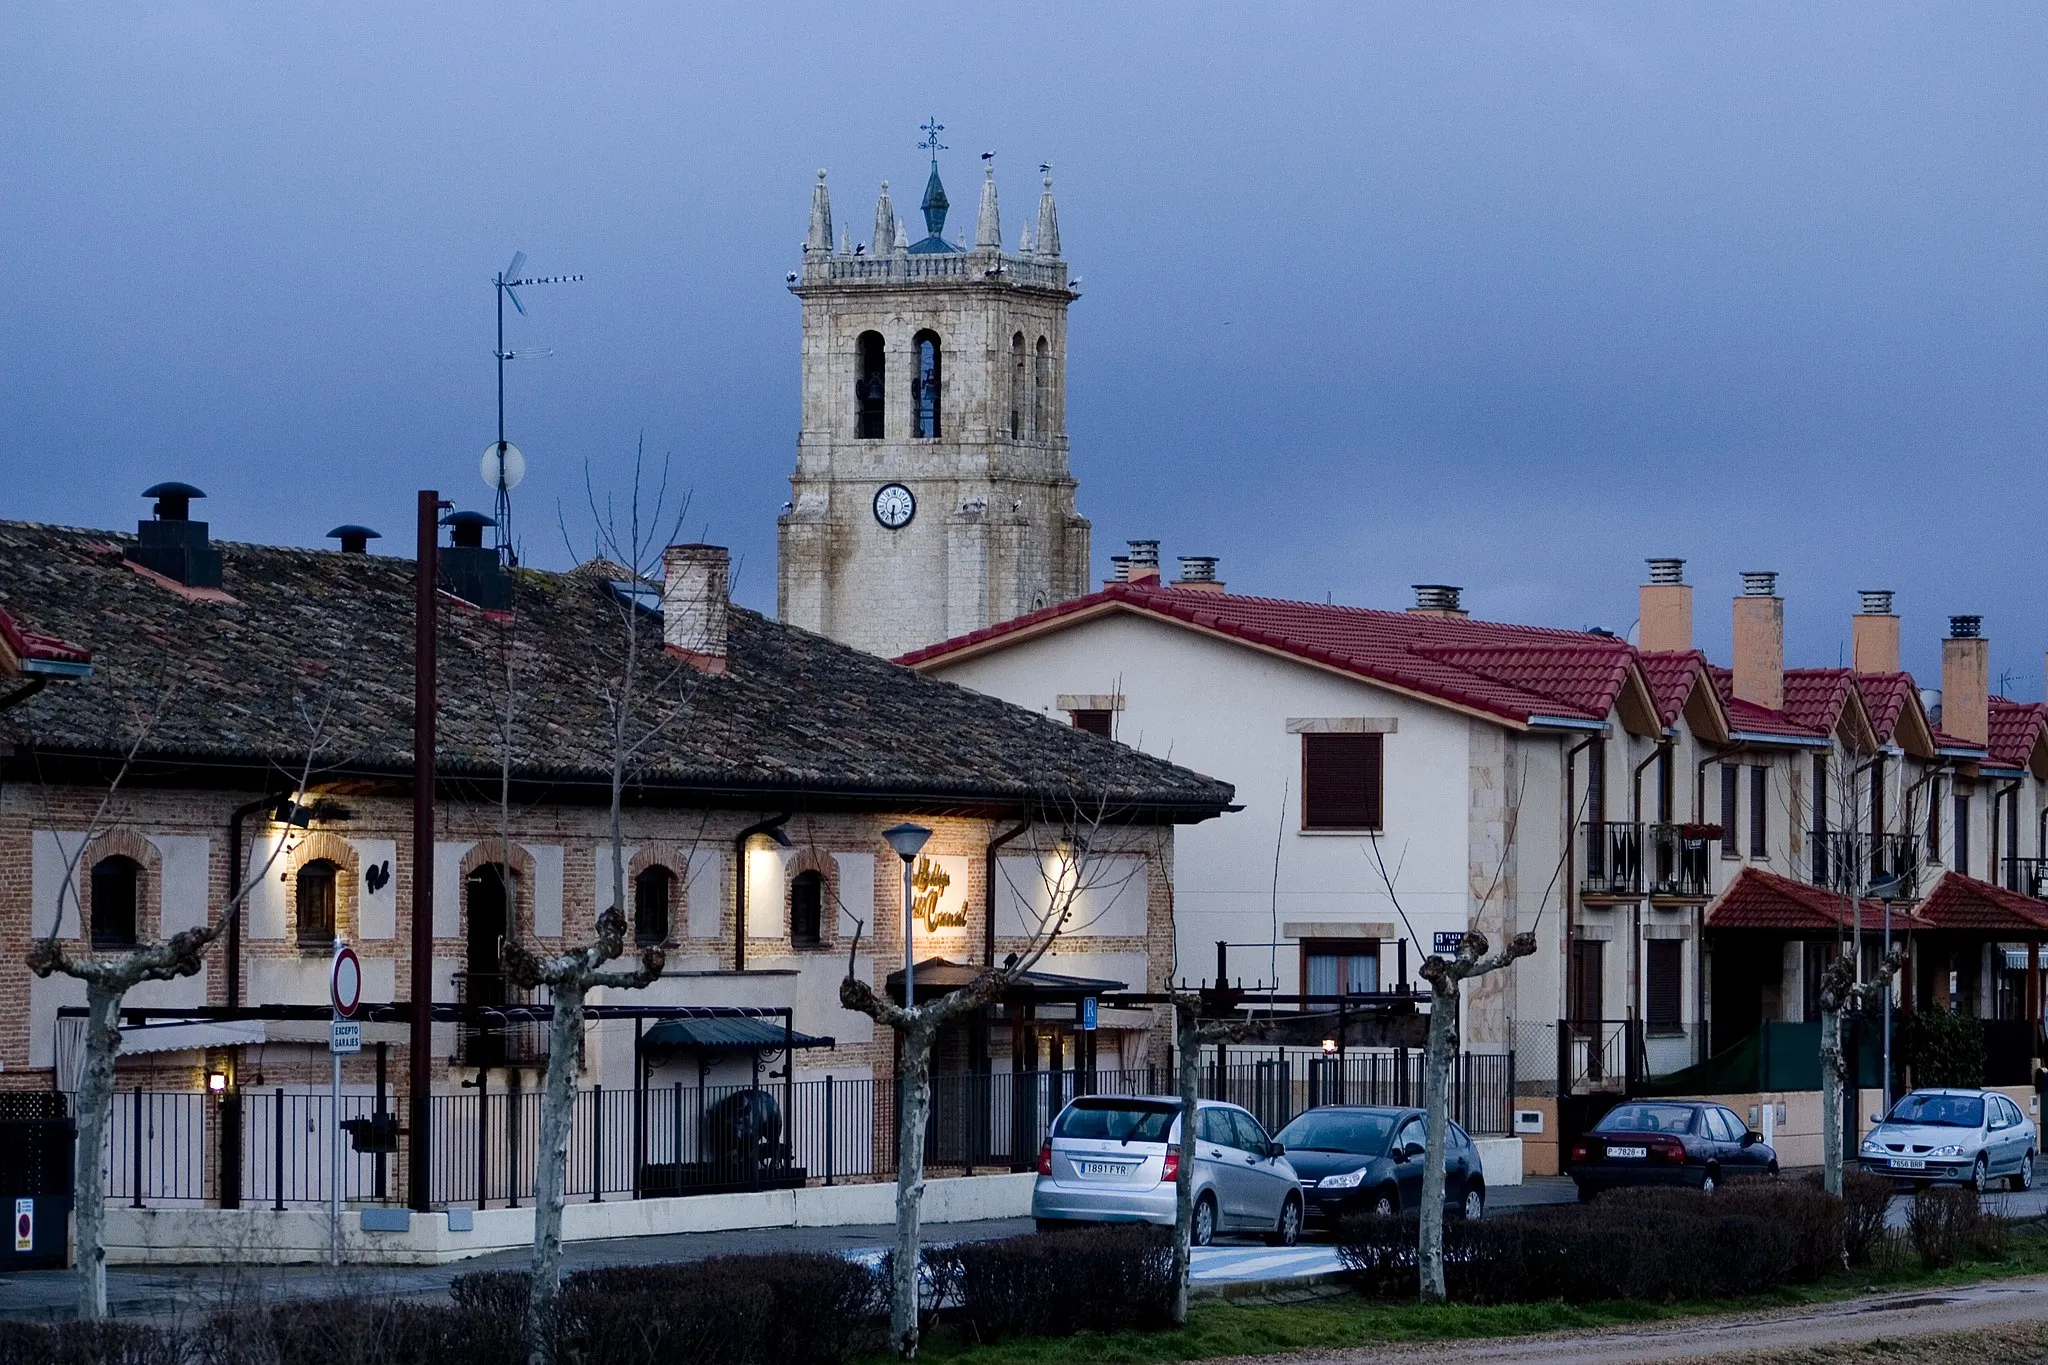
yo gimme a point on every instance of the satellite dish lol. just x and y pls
(502, 466)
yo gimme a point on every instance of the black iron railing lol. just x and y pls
(1614, 858)
(495, 1029)
(1681, 861)
(2028, 876)
(1852, 862)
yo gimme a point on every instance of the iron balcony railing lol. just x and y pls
(1624, 858)
(1681, 860)
(2028, 876)
(1886, 866)
(496, 1027)
(1614, 859)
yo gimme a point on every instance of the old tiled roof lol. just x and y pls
(1670, 675)
(1757, 899)
(1746, 717)
(1511, 672)
(796, 718)
(1959, 902)
(2016, 731)
(1886, 696)
(1814, 697)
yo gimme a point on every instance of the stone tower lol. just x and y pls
(931, 495)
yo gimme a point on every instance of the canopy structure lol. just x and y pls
(938, 975)
(727, 1035)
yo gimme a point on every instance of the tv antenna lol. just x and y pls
(503, 466)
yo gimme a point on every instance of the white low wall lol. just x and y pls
(1501, 1159)
(268, 1236)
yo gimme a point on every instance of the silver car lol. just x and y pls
(1114, 1159)
(1972, 1136)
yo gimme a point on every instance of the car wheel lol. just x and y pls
(2023, 1178)
(1204, 1230)
(1386, 1204)
(1771, 1171)
(1710, 1180)
(1980, 1174)
(1475, 1203)
(1288, 1231)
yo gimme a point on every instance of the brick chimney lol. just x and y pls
(1144, 563)
(1760, 641)
(694, 602)
(1666, 609)
(1198, 574)
(1874, 633)
(1438, 599)
(1966, 680)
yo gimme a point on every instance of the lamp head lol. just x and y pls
(907, 839)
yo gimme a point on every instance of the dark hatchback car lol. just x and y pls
(1367, 1159)
(1668, 1142)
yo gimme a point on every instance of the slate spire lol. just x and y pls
(1048, 220)
(819, 237)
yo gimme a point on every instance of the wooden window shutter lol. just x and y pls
(1663, 960)
(1093, 721)
(1341, 781)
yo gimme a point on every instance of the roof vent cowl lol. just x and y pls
(470, 570)
(172, 544)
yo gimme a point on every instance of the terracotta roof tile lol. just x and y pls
(1670, 675)
(1514, 672)
(1757, 899)
(1886, 697)
(1959, 902)
(1749, 718)
(24, 643)
(2015, 730)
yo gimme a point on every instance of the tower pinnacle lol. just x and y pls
(988, 228)
(1048, 219)
(819, 237)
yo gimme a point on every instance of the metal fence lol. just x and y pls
(164, 1148)
(1600, 1054)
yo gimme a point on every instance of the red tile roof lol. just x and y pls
(1959, 902)
(1513, 672)
(1749, 718)
(1815, 697)
(2015, 730)
(1886, 697)
(24, 643)
(1757, 899)
(1670, 675)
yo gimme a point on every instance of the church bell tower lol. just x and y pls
(931, 495)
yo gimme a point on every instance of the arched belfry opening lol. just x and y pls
(925, 384)
(1019, 386)
(870, 387)
(1041, 389)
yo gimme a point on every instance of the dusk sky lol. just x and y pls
(1503, 295)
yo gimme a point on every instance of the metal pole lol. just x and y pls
(1886, 1089)
(597, 1144)
(277, 1153)
(135, 1145)
(828, 1128)
(420, 1044)
(500, 353)
(334, 1165)
(909, 969)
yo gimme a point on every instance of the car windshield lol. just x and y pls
(1647, 1118)
(1321, 1131)
(1121, 1121)
(1940, 1111)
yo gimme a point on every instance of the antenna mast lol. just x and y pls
(503, 464)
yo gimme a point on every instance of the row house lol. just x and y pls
(767, 763)
(1689, 842)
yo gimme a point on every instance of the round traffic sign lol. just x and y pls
(345, 988)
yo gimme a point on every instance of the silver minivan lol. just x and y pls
(1114, 1159)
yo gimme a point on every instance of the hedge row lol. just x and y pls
(1101, 1278)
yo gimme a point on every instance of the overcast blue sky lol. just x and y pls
(1504, 295)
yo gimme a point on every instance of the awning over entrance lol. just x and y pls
(937, 976)
(1763, 900)
(727, 1035)
(1959, 902)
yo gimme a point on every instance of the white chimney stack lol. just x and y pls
(694, 602)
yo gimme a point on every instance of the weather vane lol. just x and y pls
(932, 128)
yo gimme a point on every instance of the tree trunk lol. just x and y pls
(89, 1185)
(913, 1104)
(1188, 1058)
(1831, 1099)
(1436, 1063)
(550, 1177)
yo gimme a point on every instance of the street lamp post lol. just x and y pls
(908, 841)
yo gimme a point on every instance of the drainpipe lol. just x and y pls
(2012, 794)
(772, 825)
(1571, 873)
(1635, 944)
(988, 890)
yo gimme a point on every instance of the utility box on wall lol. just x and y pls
(36, 1144)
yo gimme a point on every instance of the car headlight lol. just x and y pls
(1873, 1146)
(1951, 1150)
(1346, 1181)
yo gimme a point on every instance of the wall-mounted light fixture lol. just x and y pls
(217, 1081)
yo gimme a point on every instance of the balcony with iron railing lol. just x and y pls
(1627, 859)
(497, 1027)
(2028, 876)
(1885, 866)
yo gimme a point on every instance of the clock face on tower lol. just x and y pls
(894, 506)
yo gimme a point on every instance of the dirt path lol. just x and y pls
(2004, 1320)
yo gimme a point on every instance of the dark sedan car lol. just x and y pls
(1668, 1142)
(1368, 1159)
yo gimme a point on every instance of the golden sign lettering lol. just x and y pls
(928, 884)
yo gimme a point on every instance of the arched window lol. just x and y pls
(653, 892)
(1018, 386)
(869, 387)
(317, 882)
(807, 909)
(116, 901)
(1041, 390)
(925, 384)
